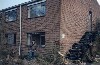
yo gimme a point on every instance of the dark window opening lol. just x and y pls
(42, 37)
(10, 38)
(90, 12)
(90, 21)
(36, 38)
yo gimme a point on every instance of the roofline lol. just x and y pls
(22, 4)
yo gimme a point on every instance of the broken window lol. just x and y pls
(36, 38)
(37, 10)
(11, 15)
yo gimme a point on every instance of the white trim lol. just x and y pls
(36, 2)
(20, 33)
(11, 9)
(29, 16)
(28, 39)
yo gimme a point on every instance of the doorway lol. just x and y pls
(38, 37)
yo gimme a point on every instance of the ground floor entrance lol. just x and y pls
(36, 38)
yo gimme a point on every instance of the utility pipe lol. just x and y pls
(20, 32)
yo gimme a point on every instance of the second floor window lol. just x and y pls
(11, 15)
(37, 10)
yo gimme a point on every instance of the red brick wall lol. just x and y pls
(67, 17)
(50, 24)
(74, 20)
(10, 27)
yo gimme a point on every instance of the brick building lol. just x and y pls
(47, 22)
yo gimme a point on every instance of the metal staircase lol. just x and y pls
(79, 50)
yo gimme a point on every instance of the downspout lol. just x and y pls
(90, 14)
(90, 21)
(20, 32)
(91, 49)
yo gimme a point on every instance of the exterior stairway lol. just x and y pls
(79, 49)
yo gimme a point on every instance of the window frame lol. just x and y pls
(28, 44)
(40, 35)
(7, 15)
(29, 6)
(14, 38)
(42, 45)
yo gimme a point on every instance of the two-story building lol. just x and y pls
(47, 23)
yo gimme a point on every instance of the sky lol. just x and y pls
(98, 1)
(8, 3)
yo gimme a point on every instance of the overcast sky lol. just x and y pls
(98, 1)
(8, 3)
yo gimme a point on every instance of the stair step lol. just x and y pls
(75, 50)
(78, 49)
(76, 46)
(74, 57)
